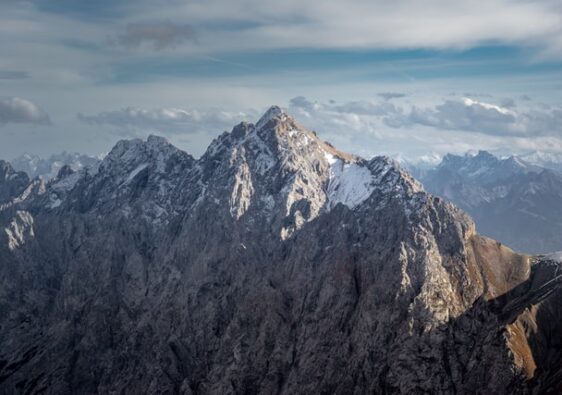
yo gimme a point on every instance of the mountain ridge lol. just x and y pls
(510, 200)
(273, 263)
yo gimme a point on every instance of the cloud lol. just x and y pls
(14, 75)
(369, 127)
(508, 103)
(352, 125)
(391, 95)
(167, 120)
(86, 9)
(301, 102)
(475, 116)
(407, 24)
(18, 110)
(357, 107)
(161, 35)
(342, 122)
(363, 107)
(467, 115)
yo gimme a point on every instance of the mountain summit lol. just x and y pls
(273, 264)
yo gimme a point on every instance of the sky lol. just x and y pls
(408, 78)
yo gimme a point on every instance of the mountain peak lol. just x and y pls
(157, 141)
(273, 112)
(135, 149)
(483, 154)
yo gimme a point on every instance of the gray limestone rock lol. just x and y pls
(273, 264)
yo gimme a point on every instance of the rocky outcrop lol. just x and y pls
(272, 264)
(12, 183)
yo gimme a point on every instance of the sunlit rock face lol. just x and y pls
(273, 264)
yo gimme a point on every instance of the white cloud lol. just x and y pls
(354, 126)
(481, 117)
(225, 26)
(359, 107)
(407, 24)
(368, 127)
(18, 110)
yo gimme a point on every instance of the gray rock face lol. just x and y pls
(510, 200)
(272, 264)
(12, 183)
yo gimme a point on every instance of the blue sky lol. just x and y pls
(405, 78)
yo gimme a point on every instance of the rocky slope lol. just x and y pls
(273, 264)
(510, 200)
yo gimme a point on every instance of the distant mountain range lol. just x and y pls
(510, 199)
(48, 168)
(547, 160)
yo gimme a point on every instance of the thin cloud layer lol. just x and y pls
(391, 95)
(449, 126)
(359, 107)
(160, 35)
(14, 75)
(256, 24)
(166, 120)
(432, 24)
(18, 110)
(465, 115)
(349, 124)
(474, 116)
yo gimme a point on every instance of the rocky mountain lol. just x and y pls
(420, 166)
(36, 166)
(273, 264)
(510, 200)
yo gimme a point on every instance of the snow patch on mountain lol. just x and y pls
(555, 256)
(331, 159)
(136, 171)
(350, 183)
